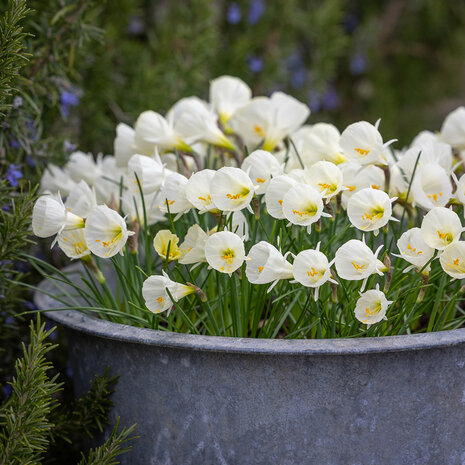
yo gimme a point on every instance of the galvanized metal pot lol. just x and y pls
(215, 401)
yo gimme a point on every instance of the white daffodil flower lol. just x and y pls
(371, 307)
(440, 227)
(81, 200)
(83, 166)
(303, 205)
(198, 191)
(274, 195)
(266, 264)
(231, 189)
(225, 252)
(362, 143)
(227, 94)
(133, 208)
(195, 121)
(165, 244)
(453, 260)
(269, 119)
(311, 268)
(414, 249)
(431, 187)
(105, 232)
(427, 153)
(238, 224)
(325, 177)
(124, 145)
(108, 185)
(146, 172)
(261, 166)
(173, 195)
(354, 261)
(155, 292)
(357, 177)
(453, 129)
(152, 129)
(370, 209)
(193, 247)
(425, 138)
(50, 217)
(319, 142)
(73, 243)
(56, 180)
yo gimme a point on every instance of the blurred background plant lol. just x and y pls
(70, 70)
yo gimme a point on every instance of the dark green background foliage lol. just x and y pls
(70, 70)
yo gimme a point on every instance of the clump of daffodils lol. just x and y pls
(235, 216)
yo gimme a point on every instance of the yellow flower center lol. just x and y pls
(259, 130)
(434, 196)
(357, 266)
(445, 237)
(228, 256)
(362, 152)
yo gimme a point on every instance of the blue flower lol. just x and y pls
(7, 389)
(255, 63)
(298, 78)
(69, 146)
(233, 15)
(30, 305)
(14, 143)
(314, 101)
(256, 11)
(30, 161)
(13, 174)
(331, 100)
(17, 102)
(69, 98)
(357, 64)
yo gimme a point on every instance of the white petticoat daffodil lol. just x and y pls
(269, 119)
(83, 166)
(231, 189)
(105, 232)
(459, 194)
(50, 217)
(165, 244)
(425, 154)
(453, 260)
(195, 121)
(414, 249)
(73, 243)
(81, 200)
(157, 299)
(453, 128)
(370, 209)
(318, 142)
(311, 268)
(227, 94)
(371, 307)
(124, 144)
(267, 264)
(357, 177)
(225, 252)
(303, 205)
(152, 129)
(146, 172)
(56, 180)
(193, 247)
(325, 177)
(354, 261)
(173, 195)
(133, 208)
(274, 195)
(261, 166)
(361, 142)
(440, 227)
(431, 187)
(198, 190)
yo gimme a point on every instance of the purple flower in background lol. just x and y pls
(136, 25)
(6, 208)
(69, 98)
(32, 129)
(357, 64)
(14, 143)
(298, 78)
(350, 22)
(314, 101)
(9, 320)
(294, 60)
(233, 15)
(69, 371)
(30, 305)
(7, 389)
(256, 11)
(255, 63)
(30, 161)
(331, 99)
(13, 174)
(69, 146)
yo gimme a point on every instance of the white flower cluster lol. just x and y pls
(301, 174)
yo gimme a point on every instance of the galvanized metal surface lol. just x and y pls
(207, 400)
